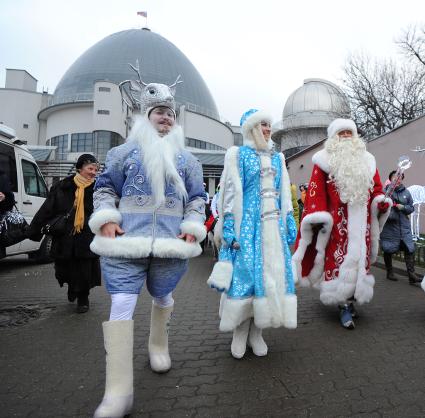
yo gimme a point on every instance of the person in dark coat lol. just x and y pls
(7, 200)
(75, 264)
(396, 234)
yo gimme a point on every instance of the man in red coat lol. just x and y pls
(344, 212)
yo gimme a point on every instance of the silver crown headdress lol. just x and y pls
(142, 96)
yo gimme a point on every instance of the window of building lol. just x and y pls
(197, 143)
(8, 165)
(61, 142)
(25, 125)
(33, 180)
(237, 139)
(104, 89)
(104, 141)
(103, 112)
(82, 142)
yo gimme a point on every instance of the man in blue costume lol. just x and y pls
(148, 220)
(255, 228)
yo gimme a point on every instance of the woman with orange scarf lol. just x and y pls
(75, 264)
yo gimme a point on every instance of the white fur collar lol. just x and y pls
(321, 158)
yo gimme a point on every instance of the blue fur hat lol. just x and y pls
(246, 115)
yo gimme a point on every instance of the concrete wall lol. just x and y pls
(20, 79)
(19, 108)
(206, 129)
(110, 101)
(69, 120)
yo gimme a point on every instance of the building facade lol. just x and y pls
(86, 112)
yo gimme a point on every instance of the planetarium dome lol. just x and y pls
(307, 113)
(316, 103)
(160, 61)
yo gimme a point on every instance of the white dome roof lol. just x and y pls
(315, 104)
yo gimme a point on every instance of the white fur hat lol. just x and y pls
(253, 119)
(339, 125)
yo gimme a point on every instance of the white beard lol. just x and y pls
(349, 169)
(159, 154)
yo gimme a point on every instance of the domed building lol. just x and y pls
(307, 114)
(160, 62)
(86, 113)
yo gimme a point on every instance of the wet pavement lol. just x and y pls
(52, 359)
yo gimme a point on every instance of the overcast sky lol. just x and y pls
(250, 53)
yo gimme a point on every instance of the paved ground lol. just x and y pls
(53, 366)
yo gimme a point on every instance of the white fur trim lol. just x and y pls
(285, 190)
(321, 158)
(268, 314)
(377, 222)
(175, 248)
(230, 173)
(253, 120)
(221, 276)
(352, 279)
(102, 217)
(306, 237)
(339, 125)
(294, 271)
(423, 284)
(125, 247)
(194, 228)
(234, 311)
(141, 247)
(364, 288)
(290, 308)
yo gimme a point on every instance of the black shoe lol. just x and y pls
(390, 275)
(83, 304)
(71, 295)
(414, 278)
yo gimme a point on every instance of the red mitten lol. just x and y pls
(383, 206)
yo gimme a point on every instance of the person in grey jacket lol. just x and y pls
(396, 234)
(148, 220)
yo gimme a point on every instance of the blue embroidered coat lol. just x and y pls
(256, 213)
(123, 194)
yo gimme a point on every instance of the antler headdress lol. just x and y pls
(142, 96)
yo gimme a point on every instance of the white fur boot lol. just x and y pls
(256, 341)
(240, 335)
(118, 399)
(158, 338)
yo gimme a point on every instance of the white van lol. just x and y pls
(29, 188)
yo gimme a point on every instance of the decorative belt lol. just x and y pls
(267, 171)
(274, 214)
(266, 193)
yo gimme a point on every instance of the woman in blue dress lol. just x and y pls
(255, 229)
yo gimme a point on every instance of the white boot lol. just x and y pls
(240, 335)
(118, 398)
(158, 338)
(256, 341)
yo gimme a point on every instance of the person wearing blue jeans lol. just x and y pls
(149, 220)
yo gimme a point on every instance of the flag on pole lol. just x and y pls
(144, 14)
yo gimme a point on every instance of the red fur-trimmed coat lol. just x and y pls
(337, 257)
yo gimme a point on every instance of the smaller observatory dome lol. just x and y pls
(307, 113)
(315, 104)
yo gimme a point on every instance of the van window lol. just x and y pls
(8, 165)
(33, 180)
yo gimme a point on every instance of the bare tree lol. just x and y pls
(412, 43)
(382, 93)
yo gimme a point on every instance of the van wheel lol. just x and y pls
(43, 254)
